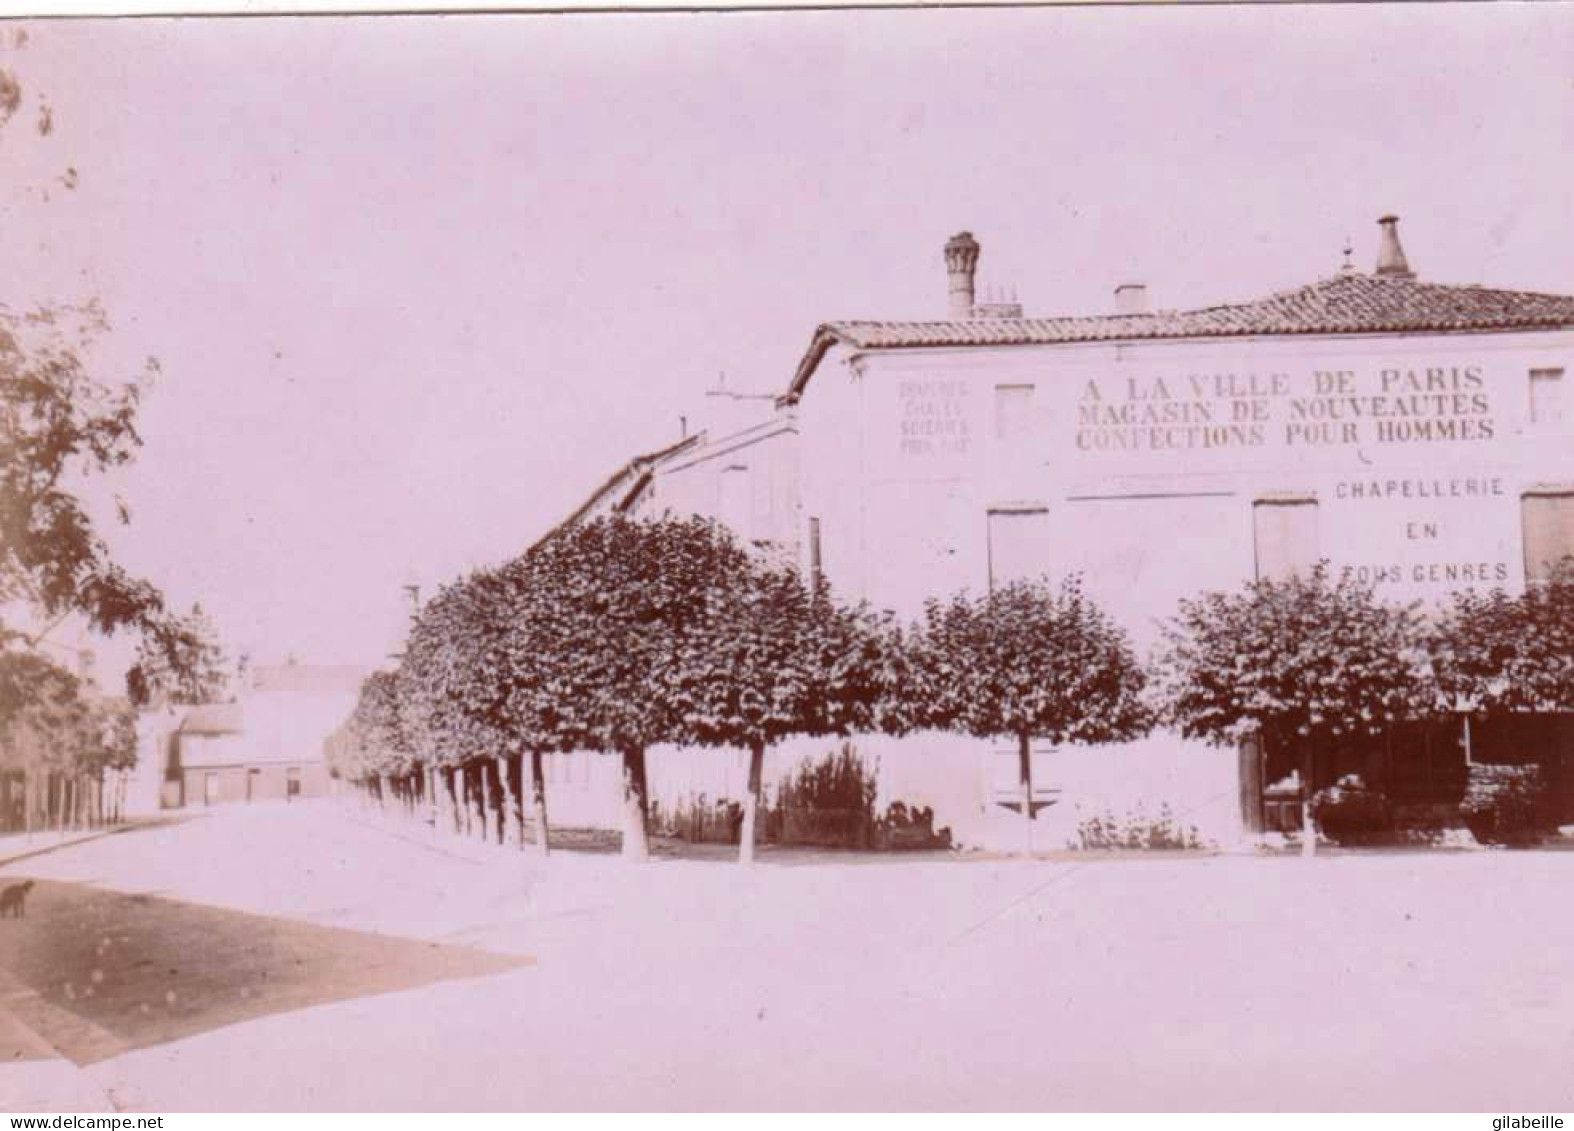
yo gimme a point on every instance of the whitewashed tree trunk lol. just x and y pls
(636, 807)
(538, 804)
(751, 804)
(1025, 785)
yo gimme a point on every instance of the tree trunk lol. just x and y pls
(751, 803)
(489, 814)
(538, 804)
(1308, 825)
(1249, 764)
(27, 800)
(1025, 785)
(432, 799)
(466, 805)
(456, 821)
(508, 820)
(636, 807)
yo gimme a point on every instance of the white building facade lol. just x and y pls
(1420, 434)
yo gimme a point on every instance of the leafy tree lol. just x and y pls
(184, 663)
(59, 425)
(627, 602)
(1028, 661)
(372, 742)
(51, 723)
(770, 659)
(1300, 664)
(1494, 652)
(451, 678)
(22, 104)
(548, 692)
(39, 700)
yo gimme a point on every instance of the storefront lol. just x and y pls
(1416, 433)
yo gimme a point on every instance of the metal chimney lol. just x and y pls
(1391, 260)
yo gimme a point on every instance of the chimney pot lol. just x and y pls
(1131, 298)
(1391, 261)
(961, 263)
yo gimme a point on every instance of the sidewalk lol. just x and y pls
(23, 846)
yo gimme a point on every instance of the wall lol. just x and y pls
(747, 479)
(1144, 460)
(252, 784)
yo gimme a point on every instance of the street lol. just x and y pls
(298, 944)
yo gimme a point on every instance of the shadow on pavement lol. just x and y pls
(97, 973)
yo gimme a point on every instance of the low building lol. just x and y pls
(266, 745)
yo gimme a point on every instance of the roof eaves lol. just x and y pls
(826, 335)
(637, 469)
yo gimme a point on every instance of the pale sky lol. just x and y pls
(419, 284)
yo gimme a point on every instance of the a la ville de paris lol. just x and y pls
(994, 559)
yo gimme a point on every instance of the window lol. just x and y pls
(1013, 413)
(1020, 548)
(1284, 533)
(1546, 396)
(1547, 517)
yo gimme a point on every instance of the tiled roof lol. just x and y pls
(1345, 304)
(624, 485)
(212, 718)
(308, 679)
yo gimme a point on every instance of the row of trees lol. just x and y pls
(620, 635)
(67, 751)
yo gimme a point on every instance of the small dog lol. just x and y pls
(13, 900)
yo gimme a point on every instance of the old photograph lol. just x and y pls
(969, 559)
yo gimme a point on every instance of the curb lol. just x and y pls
(87, 838)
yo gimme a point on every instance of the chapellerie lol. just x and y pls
(1418, 488)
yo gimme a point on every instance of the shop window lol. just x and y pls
(1020, 548)
(1284, 535)
(1547, 519)
(1546, 396)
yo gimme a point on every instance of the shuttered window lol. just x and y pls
(1019, 545)
(1548, 520)
(1546, 396)
(1284, 532)
(1014, 413)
